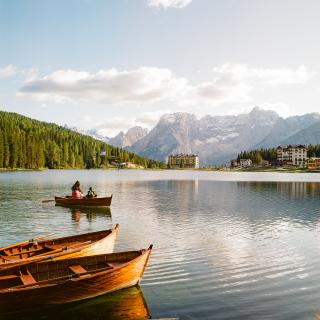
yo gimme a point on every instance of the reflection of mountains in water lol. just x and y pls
(123, 304)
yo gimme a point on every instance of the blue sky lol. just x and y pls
(118, 63)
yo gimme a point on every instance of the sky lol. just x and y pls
(111, 65)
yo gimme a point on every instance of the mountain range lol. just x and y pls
(217, 139)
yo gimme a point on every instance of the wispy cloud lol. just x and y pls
(169, 3)
(148, 85)
(243, 73)
(8, 71)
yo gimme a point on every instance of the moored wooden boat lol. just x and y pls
(93, 243)
(57, 282)
(86, 202)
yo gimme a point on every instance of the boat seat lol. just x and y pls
(77, 269)
(114, 264)
(54, 246)
(27, 279)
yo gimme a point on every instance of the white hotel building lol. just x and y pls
(292, 155)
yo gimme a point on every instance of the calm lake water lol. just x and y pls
(226, 245)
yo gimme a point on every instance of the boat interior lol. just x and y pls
(34, 248)
(56, 271)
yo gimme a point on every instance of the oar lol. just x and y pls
(51, 200)
(26, 242)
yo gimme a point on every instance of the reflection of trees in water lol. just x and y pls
(123, 304)
(292, 190)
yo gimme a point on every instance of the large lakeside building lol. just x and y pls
(292, 155)
(189, 161)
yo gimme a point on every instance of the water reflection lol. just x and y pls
(290, 190)
(124, 304)
(222, 249)
(91, 214)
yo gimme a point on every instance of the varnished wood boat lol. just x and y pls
(86, 202)
(57, 282)
(60, 248)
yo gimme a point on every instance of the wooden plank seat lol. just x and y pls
(54, 246)
(27, 278)
(77, 269)
(114, 264)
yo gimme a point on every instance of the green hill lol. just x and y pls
(30, 144)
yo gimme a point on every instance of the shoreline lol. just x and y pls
(258, 169)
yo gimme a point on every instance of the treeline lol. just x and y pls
(31, 144)
(313, 150)
(258, 155)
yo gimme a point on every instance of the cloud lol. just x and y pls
(235, 83)
(8, 71)
(240, 73)
(238, 82)
(145, 85)
(169, 3)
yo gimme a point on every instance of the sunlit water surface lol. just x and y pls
(226, 245)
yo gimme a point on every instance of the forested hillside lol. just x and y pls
(31, 144)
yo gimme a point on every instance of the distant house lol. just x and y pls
(189, 161)
(313, 163)
(292, 155)
(245, 163)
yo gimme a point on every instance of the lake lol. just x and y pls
(226, 245)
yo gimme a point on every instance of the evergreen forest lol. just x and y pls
(30, 144)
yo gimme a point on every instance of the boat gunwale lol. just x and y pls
(78, 248)
(73, 236)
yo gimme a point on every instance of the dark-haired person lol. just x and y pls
(76, 191)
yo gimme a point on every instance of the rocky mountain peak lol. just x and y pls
(127, 139)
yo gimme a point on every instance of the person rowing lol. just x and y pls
(91, 193)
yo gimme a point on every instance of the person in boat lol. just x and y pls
(91, 193)
(76, 191)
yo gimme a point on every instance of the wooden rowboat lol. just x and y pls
(60, 248)
(57, 282)
(86, 202)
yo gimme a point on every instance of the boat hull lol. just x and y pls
(85, 202)
(75, 288)
(103, 246)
